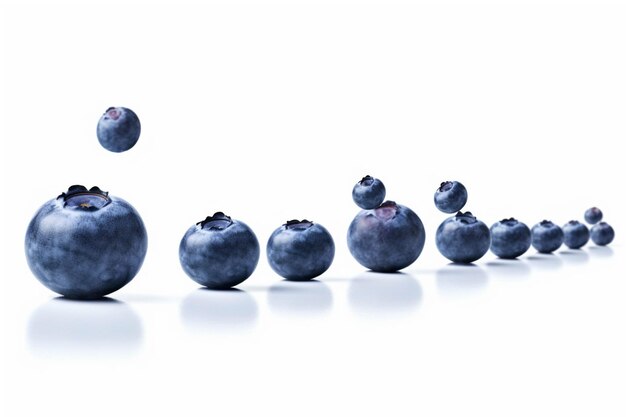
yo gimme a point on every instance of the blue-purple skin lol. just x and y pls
(118, 129)
(219, 252)
(386, 239)
(509, 238)
(463, 238)
(85, 244)
(450, 197)
(593, 215)
(300, 250)
(368, 193)
(602, 234)
(575, 234)
(546, 237)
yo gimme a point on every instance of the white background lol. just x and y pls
(273, 112)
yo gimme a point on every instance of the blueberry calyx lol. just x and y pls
(573, 222)
(546, 223)
(112, 113)
(218, 221)
(366, 180)
(298, 224)
(511, 221)
(445, 186)
(387, 210)
(466, 217)
(79, 197)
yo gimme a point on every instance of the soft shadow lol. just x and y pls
(600, 251)
(219, 310)
(373, 293)
(508, 268)
(574, 257)
(545, 261)
(461, 279)
(300, 297)
(64, 327)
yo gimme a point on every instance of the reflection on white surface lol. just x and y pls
(600, 251)
(574, 257)
(221, 310)
(373, 293)
(300, 297)
(63, 327)
(461, 279)
(508, 268)
(545, 261)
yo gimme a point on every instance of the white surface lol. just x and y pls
(273, 112)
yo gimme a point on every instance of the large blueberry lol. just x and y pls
(219, 252)
(546, 236)
(451, 196)
(602, 234)
(593, 215)
(509, 238)
(85, 243)
(118, 129)
(300, 250)
(368, 193)
(463, 238)
(386, 239)
(575, 234)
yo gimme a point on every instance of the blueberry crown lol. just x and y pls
(573, 222)
(546, 223)
(218, 221)
(366, 180)
(445, 186)
(466, 217)
(510, 221)
(75, 190)
(298, 224)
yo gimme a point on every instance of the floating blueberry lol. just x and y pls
(386, 239)
(602, 234)
(451, 196)
(85, 243)
(300, 250)
(118, 129)
(463, 238)
(509, 238)
(219, 252)
(546, 236)
(368, 193)
(593, 215)
(575, 234)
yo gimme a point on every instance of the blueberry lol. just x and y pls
(602, 234)
(386, 239)
(451, 196)
(463, 238)
(85, 243)
(118, 129)
(300, 250)
(509, 238)
(593, 215)
(219, 252)
(575, 234)
(368, 193)
(546, 236)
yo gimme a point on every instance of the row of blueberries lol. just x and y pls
(86, 244)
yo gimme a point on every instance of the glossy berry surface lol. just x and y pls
(593, 215)
(463, 238)
(118, 129)
(575, 234)
(85, 243)
(450, 197)
(602, 234)
(300, 250)
(386, 239)
(546, 237)
(509, 238)
(219, 252)
(368, 193)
